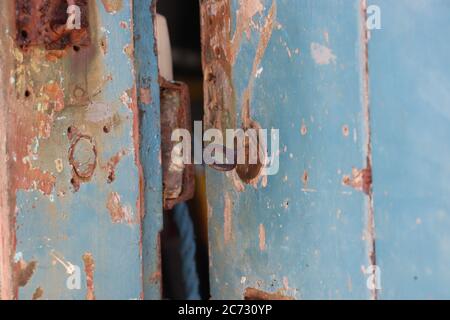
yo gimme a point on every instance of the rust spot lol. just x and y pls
(345, 131)
(304, 129)
(104, 45)
(255, 294)
(228, 220)
(262, 238)
(89, 268)
(118, 212)
(360, 180)
(82, 157)
(112, 164)
(113, 6)
(23, 272)
(38, 294)
(305, 179)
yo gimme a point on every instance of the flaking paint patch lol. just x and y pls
(112, 164)
(23, 272)
(112, 6)
(370, 228)
(38, 294)
(266, 35)
(89, 269)
(256, 294)
(321, 54)
(146, 96)
(97, 112)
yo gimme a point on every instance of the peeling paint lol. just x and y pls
(112, 164)
(23, 272)
(118, 212)
(360, 180)
(112, 6)
(89, 269)
(255, 294)
(38, 294)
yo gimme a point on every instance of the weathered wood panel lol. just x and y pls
(300, 67)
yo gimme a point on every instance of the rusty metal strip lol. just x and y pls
(178, 181)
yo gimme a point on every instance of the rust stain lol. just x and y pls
(129, 50)
(112, 6)
(262, 238)
(7, 206)
(266, 35)
(360, 180)
(228, 219)
(23, 272)
(345, 130)
(146, 96)
(255, 294)
(305, 179)
(321, 54)
(219, 94)
(112, 164)
(118, 212)
(89, 268)
(38, 294)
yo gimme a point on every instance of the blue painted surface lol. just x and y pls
(315, 243)
(410, 97)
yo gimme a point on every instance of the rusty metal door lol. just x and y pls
(80, 181)
(355, 101)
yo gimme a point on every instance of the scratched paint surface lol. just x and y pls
(305, 232)
(410, 85)
(74, 158)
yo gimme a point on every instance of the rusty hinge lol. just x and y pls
(55, 24)
(178, 177)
